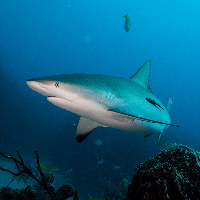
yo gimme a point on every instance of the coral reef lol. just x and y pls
(42, 187)
(123, 188)
(172, 174)
(115, 193)
(7, 193)
(64, 192)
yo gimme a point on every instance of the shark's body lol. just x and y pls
(107, 101)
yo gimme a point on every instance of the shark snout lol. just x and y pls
(34, 85)
(31, 83)
(38, 86)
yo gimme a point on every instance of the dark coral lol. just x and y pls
(172, 174)
(64, 192)
(14, 194)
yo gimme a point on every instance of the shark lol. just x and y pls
(107, 101)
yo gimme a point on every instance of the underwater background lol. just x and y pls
(40, 38)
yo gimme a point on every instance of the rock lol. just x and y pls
(64, 192)
(172, 174)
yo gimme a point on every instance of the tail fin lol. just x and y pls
(169, 104)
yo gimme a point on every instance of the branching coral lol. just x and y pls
(23, 169)
(44, 181)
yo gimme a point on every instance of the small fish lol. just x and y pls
(116, 167)
(91, 198)
(127, 24)
(100, 161)
(48, 167)
(98, 142)
(68, 171)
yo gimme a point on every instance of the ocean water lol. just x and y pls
(40, 38)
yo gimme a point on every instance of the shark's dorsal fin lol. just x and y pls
(142, 75)
(85, 127)
(169, 104)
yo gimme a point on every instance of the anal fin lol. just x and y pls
(85, 127)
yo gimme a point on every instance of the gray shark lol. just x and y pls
(107, 101)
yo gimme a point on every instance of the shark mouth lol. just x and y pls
(49, 98)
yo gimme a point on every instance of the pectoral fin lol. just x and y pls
(116, 110)
(85, 127)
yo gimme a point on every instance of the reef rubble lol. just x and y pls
(172, 174)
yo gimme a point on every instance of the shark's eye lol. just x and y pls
(57, 84)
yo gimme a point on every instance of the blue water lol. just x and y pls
(40, 38)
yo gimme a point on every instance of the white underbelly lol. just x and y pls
(99, 113)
